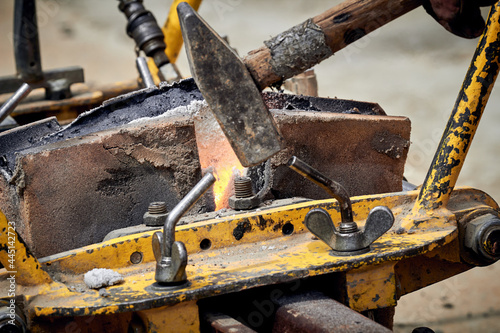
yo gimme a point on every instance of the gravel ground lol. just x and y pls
(411, 67)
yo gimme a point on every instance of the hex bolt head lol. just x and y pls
(244, 203)
(482, 236)
(244, 198)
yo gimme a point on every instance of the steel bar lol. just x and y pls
(142, 67)
(315, 312)
(9, 106)
(181, 208)
(464, 119)
(221, 323)
(73, 74)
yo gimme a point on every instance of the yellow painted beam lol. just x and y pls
(464, 119)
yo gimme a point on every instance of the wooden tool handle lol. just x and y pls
(307, 44)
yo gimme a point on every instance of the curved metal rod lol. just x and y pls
(181, 208)
(333, 188)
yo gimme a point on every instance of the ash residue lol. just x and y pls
(102, 277)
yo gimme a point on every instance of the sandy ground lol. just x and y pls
(411, 67)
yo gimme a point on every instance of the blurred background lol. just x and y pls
(412, 67)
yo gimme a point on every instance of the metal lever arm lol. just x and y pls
(348, 240)
(171, 256)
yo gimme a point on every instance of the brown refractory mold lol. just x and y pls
(69, 187)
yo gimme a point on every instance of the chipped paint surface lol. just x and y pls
(371, 287)
(452, 150)
(182, 317)
(16, 257)
(264, 255)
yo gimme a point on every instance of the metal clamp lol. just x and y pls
(171, 256)
(348, 240)
(318, 221)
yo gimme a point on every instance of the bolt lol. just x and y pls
(136, 257)
(243, 187)
(11, 318)
(156, 214)
(158, 207)
(482, 236)
(243, 198)
(491, 243)
(348, 227)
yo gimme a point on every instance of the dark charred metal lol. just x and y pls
(121, 110)
(229, 90)
(276, 100)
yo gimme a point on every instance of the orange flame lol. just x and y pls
(223, 187)
(225, 165)
(216, 154)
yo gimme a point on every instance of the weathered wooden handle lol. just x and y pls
(307, 44)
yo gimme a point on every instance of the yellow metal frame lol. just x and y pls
(425, 234)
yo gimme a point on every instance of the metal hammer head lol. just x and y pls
(229, 90)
